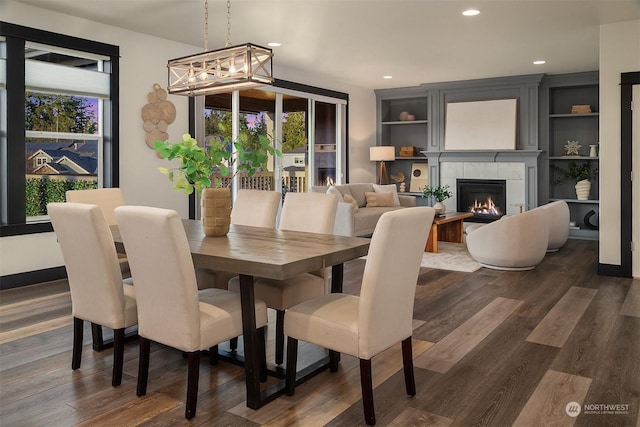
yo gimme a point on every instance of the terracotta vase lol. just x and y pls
(216, 211)
(582, 189)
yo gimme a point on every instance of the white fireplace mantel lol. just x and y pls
(518, 167)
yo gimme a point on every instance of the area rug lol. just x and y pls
(450, 256)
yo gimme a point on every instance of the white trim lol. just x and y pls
(63, 135)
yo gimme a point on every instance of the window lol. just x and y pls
(308, 125)
(60, 133)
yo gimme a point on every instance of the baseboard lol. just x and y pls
(613, 270)
(32, 277)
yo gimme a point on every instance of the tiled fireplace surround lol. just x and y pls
(518, 167)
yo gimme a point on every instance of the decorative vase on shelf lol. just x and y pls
(439, 207)
(404, 116)
(593, 151)
(582, 189)
(216, 211)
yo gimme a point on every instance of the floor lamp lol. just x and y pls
(382, 153)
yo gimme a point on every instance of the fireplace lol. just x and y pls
(326, 176)
(486, 199)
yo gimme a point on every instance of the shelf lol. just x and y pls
(406, 122)
(561, 116)
(583, 233)
(592, 202)
(574, 158)
(412, 158)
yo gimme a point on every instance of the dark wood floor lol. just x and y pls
(490, 348)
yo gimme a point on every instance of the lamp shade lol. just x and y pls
(382, 153)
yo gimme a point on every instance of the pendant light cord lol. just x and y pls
(228, 23)
(206, 25)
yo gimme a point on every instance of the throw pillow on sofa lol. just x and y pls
(348, 198)
(378, 200)
(391, 188)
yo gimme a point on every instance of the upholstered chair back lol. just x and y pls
(106, 198)
(390, 277)
(91, 261)
(164, 276)
(256, 208)
(310, 212)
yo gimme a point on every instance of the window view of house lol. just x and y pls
(61, 148)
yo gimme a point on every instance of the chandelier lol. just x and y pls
(221, 70)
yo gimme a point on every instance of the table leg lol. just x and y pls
(337, 273)
(432, 240)
(337, 276)
(250, 335)
(256, 398)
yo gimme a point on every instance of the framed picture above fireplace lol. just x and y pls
(481, 125)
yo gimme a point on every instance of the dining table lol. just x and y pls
(274, 254)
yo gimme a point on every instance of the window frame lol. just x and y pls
(12, 196)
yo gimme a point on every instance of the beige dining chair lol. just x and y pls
(98, 293)
(254, 208)
(106, 198)
(170, 310)
(309, 212)
(381, 316)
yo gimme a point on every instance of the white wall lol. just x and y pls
(143, 63)
(619, 53)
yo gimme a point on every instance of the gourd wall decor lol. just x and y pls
(157, 115)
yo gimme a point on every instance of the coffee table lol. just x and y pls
(447, 228)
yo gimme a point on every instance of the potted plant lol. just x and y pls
(582, 173)
(440, 193)
(197, 164)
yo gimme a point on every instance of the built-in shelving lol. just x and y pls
(396, 132)
(563, 92)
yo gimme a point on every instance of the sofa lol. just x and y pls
(355, 217)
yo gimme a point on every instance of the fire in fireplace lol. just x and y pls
(484, 198)
(326, 176)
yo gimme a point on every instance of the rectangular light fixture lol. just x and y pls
(221, 71)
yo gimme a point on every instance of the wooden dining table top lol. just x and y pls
(266, 252)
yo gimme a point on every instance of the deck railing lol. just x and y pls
(291, 181)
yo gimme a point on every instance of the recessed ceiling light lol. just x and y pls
(387, 77)
(540, 62)
(471, 12)
(274, 44)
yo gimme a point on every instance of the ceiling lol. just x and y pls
(360, 41)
